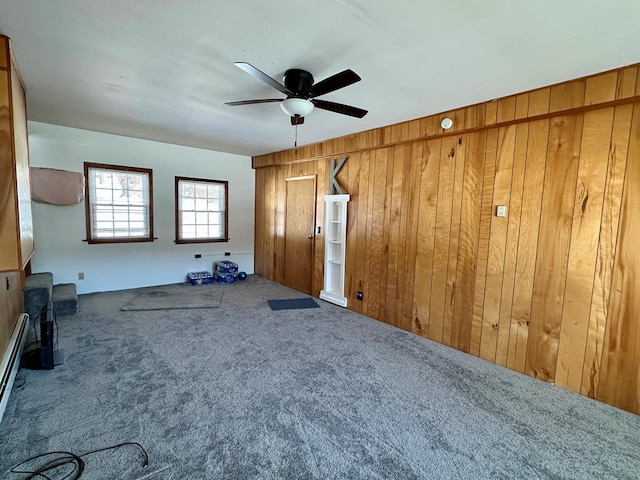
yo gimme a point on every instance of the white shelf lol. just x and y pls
(334, 253)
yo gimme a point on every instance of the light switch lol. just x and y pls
(501, 211)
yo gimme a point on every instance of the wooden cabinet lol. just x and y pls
(16, 221)
(334, 249)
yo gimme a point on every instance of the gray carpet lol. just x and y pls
(176, 297)
(243, 392)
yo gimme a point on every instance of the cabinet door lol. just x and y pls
(9, 255)
(10, 305)
(23, 178)
(16, 221)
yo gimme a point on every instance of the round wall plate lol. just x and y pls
(446, 123)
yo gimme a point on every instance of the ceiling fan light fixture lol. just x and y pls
(297, 106)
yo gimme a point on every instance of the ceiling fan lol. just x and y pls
(301, 92)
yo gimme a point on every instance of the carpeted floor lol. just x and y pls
(244, 392)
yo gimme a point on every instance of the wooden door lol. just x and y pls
(299, 232)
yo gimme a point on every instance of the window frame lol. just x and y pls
(225, 237)
(87, 203)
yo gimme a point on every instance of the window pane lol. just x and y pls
(188, 189)
(189, 217)
(188, 231)
(188, 204)
(213, 191)
(201, 204)
(119, 203)
(201, 191)
(201, 218)
(201, 209)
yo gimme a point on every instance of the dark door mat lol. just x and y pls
(292, 303)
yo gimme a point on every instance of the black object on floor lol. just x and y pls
(292, 303)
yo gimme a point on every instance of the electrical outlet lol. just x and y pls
(80, 275)
(360, 296)
(198, 255)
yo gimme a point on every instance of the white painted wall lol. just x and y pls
(60, 230)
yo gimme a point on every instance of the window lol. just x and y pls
(118, 202)
(201, 210)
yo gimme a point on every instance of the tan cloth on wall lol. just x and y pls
(57, 187)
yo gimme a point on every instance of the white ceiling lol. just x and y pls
(162, 69)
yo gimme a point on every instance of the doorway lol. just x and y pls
(299, 232)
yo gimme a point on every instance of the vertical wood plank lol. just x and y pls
(522, 106)
(394, 267)
(619, 382)
(269, 208)
(514, 215)
(535, 167)
(567, 95)
(601, 88)
(414, 156)
(553, 246)
(507, 109)
(587, 215)
(452, 262)
(321, 191)
(497, 243)
(361, 230)
(430, 126)
(413, 129)
(482, 256)
(616, 169)
(468, 243)
(385, 267)
(491, 113)
(279, 225)
(352, 187)
(258, 231)
(627, 78)
(475, 116)
(426, 238)
(375, 305)
(539, 101)
(367, 306)
(441, 238)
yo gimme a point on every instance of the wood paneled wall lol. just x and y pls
(552, 289)
(16, 226)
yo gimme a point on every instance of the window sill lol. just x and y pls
(119, 240)
(203, 240)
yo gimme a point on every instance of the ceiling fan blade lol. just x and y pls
(263, 77)
(334, 82)
(340, 108)
(297, 120)
(251, 102)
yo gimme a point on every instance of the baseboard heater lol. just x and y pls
(11, 360)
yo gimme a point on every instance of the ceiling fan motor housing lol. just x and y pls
(298, 81)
